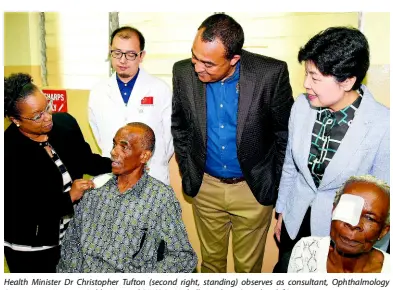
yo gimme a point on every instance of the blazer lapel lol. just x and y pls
(302, 141)
(200, 104)
(246, 91)
(351, 143)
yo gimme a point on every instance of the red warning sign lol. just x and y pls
(59, 98)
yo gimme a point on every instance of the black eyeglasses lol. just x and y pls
(129, 55)
(38, 116)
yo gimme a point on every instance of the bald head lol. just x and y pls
(126, 32)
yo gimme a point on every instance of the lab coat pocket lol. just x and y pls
(149, 115)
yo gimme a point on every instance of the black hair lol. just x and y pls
(148, 139)
(227, 30)
(119, 31)
(341, 52)
(16, 88)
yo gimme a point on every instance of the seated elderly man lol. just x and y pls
(133, 222)
(361, 217)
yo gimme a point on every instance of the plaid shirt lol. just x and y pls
(328, 132)
(140, 230)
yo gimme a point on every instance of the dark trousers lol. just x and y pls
(32, 262)
(286, 243)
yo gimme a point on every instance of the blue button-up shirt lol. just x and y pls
(222, 103)
(126, 88)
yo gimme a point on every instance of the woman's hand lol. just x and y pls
(277, 228)
(78, 188)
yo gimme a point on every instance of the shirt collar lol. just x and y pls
(235, 75)
(138, 187)
(343, 113)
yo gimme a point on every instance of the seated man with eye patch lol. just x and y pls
(361, 217)
(132, 223)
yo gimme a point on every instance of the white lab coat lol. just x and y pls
(108, 113)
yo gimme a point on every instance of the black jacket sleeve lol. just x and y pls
(180, 125)
(280, 110)
(91, 163)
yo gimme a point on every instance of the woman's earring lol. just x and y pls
(17, 125)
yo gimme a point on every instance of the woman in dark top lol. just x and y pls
(45, 157)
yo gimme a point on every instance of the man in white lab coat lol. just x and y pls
(132, 95)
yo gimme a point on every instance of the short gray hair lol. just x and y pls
(148, 138)
(382, 185)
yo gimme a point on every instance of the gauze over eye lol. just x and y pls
(349, 209)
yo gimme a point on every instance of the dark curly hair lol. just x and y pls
(16, 88)
(227, 30)
(341, 52)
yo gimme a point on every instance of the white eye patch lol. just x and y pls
(100, 180)
(349, 209)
